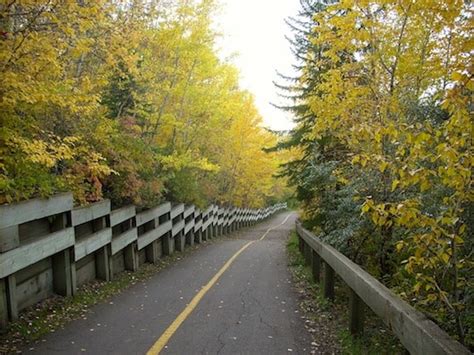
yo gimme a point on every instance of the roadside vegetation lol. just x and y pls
(126, 100)
(383, 105)
(328, 321)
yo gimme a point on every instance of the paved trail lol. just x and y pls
(251, 309)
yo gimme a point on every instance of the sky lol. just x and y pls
(255, 30)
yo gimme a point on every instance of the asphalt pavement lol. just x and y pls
(251, 309)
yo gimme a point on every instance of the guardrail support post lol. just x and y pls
(3, 306)
(151, 252)
(328, 282)
(301, 244)
(356, 313)
(167, 246)
(308, 253)
(198, 237)
(62, 273)
(102, 264)
(190, 238)
(130, 257)
(11, 297)
(179, 241)
(316, 266)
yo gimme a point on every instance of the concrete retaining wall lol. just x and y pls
(48, 247)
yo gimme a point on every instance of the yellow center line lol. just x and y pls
(269, 229)
(168, 333)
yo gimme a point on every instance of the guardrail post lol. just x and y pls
(308, 253)
(102, 264)
(130, 257)
(356, 313)
(179, 241)
(316, 267)
(190, 238)
(3, 306)
(11, 297)
(301, 244)
(62, 282)
(151, 252)
(198, 237)
(167, 246)
(328, 282)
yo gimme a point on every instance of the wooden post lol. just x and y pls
(130, 257)
(167, 244)
(301, 244)
(179, 241)
(151, 252)
(198, 237)
(3, 305)
(11, 297)
(190, 238)
(308, 253)
(73, 273)
(102, 264)
(9, 238)
(328, 282)
(356, 313)
(316, 267)
(62, 276)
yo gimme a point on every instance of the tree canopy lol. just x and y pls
(126, 100)
(383, 104)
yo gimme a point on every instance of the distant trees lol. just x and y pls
(126, 100)
(383, 102)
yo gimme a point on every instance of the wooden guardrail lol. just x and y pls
(48, 247)
(417, 333)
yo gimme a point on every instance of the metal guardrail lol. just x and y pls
(417, 333)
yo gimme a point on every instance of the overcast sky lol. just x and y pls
(255, 30)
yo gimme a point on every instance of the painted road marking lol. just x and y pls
(269, 229)
(168, 333)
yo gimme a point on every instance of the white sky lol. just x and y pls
(255, 30)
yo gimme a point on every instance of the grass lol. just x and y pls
(376, 339)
